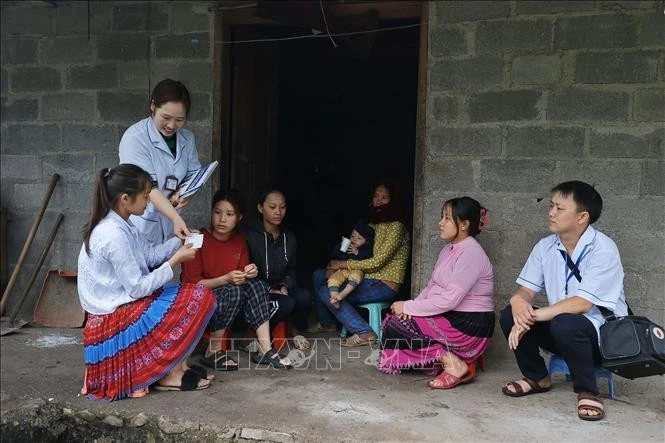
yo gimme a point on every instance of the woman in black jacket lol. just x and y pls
(272, 247)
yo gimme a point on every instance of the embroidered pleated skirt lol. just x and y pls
(140, 342)
(421, 341)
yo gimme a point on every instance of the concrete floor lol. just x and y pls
(335, 394)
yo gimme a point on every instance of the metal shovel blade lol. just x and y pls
(6, 326)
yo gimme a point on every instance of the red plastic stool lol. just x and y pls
(279, 334)
(226, 341)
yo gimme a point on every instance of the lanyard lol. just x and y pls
(574, 270)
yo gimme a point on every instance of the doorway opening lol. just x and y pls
(322, 120)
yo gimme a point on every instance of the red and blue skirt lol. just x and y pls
(141, 342)
(421, 341)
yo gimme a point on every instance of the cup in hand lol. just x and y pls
(346, 242)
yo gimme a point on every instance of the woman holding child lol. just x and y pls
(451, 322)
(222, 265)
(138, 331)
(384, 271)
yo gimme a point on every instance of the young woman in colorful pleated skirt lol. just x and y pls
(450, 324)
(139, 330)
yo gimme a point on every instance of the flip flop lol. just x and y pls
(219, 362)
(519, 392)
(190, 382)
(590, 402)
(449, 380)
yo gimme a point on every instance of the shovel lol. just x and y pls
(11, 325)
(58, 305)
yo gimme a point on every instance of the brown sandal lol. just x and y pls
(590, 402)
(519, 392)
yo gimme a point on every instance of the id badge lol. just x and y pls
(171, 183)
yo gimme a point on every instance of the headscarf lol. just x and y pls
(391, 212)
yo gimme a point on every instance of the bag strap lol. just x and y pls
(607, 314)
(571, 266)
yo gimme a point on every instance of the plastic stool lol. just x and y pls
(375, 309)
(558, 364)
(278, 335)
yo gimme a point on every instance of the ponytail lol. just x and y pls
(110, 185)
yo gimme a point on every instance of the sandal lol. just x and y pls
(520, 392)
(449, 381)
(300, 343)
(139, 393)
(272, 358)
(190, 381)
(590, 402)
(219, 362)
(355, 340)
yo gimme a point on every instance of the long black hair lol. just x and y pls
(111, 184)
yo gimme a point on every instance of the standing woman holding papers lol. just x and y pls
(166, 150)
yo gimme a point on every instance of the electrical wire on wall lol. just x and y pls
(325, 21)
(306, 36)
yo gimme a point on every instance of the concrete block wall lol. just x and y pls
(75, 75)
(523, 95)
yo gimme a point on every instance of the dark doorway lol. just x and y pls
(325, 125)
(344, 121)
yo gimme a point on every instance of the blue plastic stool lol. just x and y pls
(375, 309)
(558, 364)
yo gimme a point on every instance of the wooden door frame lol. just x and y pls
(222, 124)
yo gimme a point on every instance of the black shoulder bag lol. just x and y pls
(631, 346)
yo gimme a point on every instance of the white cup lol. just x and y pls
(346, 242)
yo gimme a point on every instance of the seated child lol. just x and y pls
(361, 247)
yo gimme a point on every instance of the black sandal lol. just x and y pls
(201, 372)
(219, 362)
(271, 358)
(189, 382)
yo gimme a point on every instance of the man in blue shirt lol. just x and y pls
(580, 269)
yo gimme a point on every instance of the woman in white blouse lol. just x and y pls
(138, 331)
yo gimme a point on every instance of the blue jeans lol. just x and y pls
(369, 290)
(323, 315)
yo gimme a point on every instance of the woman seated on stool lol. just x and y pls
(138, 331)
(384, 271)
(223, 265)
(451, 321)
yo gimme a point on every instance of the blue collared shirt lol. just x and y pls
(600, 269)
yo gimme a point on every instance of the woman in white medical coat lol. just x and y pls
(162, 146)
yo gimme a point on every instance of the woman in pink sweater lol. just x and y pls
(451, 322)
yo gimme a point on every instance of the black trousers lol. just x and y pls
(572, 336)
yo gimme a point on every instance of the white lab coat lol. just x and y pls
(143, 145)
